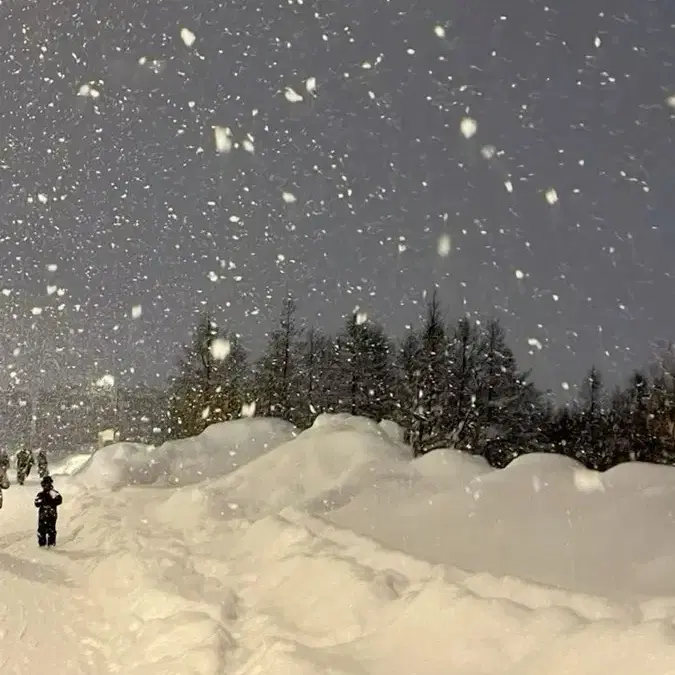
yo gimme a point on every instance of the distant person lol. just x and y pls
(47, 502)
(42, 463)
(4, 480)
(4, 460)
(24, 463)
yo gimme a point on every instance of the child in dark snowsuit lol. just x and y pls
(47, 502)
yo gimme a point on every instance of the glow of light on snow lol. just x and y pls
(310, 85)
(51, 289)
(588, 481)
(36, 311)
(597, 42)
(488, 151)
(439, 31)
(42, 198)
(187, 36)
(468, 127)
(223, 139)
(52, 267)
(551, 196)
(508, 185)
(670, 101)
(136, 312)
(555, 297)
(206, 412)
(361, 318)
(248, 409)
(289, 197)
(444, 245)
(247, 144)
(565, 385)
(292, 95)
(520, 274)
(533, 342)
(220, 349)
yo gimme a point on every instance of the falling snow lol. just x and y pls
(468, 127)
(187, 36)
(444, 245)
(220, 349)
(184, 159)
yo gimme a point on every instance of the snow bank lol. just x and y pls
(69, 465)
(292, 593)
(149, 580)
(220, 449)
(324, 464)
(543, 518)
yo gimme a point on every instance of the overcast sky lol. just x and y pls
(109, 170)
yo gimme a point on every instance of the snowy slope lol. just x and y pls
(149, 579)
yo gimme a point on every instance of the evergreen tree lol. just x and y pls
(431, 380)
(276, 374)
(408, 393)
(365, 358)
(210, 385)
(317, 382)
(591, 449)
(506, 404)
(463, 355)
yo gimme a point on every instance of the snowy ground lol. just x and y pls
(333, 553)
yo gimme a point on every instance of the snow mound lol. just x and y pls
(147, 581)
(319, 464)
(69, 465)
(564, 517)
(393, 430)
(220, 449)
(446, 464)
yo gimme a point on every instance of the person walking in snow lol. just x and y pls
(42, 463)
(24, 463)
(47, 502)
(4, 480)
(4, 460)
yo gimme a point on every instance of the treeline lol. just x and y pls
(448, 385)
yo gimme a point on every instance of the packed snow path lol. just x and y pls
(47, 620)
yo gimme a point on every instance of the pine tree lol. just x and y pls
(276, 373)
(211, 381)
(364, 355)
(432, 354)
(506, 404)
(408, 365)
(463, 354)
(317, 377)
(591, 450)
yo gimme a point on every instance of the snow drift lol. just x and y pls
(335, 552)
(220, 449)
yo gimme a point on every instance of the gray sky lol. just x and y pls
(140, 207)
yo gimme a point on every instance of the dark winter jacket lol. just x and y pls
(47, 502)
